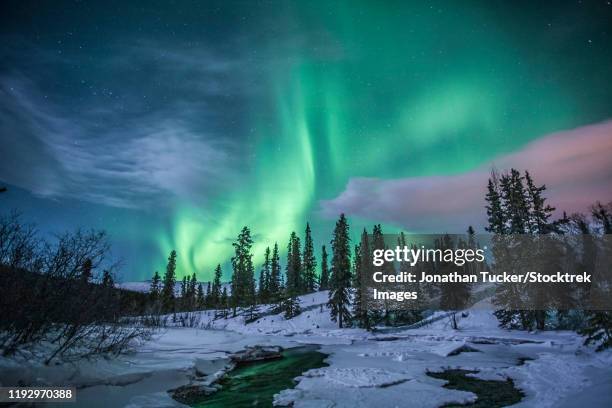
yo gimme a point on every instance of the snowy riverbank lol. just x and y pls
(365, 369)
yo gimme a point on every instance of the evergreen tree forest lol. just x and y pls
(515, 205)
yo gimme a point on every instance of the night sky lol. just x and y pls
(174, 124)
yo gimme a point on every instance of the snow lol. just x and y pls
(552, 369)
(357, 377)
(145, 286)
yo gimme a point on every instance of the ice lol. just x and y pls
(365, 369)
(358, 377)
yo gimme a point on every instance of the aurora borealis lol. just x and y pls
(174, 124)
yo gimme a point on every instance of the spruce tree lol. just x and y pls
(200, 301)
(598, 329)
(167, 294)
(495, 214)
(453, 296)
(291, 305)
(539, 211)
(191, 292)
(265, 277)
(294, 262)
(224, 302)
(155, 288)
(309, 263)
(378, 243)
(261, 287)
(602, 216)
(208, 298)
(243, 281)
(520, 208)
(184, 288)
(515, 202)
(274, 284)
(216, 287)
(363, 266)
(339, 296)
(324, 279)
(508, 215)
(413, 313)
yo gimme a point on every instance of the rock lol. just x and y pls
(188, 394)
(257, 353)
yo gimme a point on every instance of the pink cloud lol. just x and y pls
(575, 165)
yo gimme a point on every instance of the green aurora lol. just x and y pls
(372, 89)
(419, 91)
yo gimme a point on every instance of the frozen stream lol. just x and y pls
(551, 369)
(361, 373)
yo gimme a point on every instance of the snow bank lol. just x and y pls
(357, 377)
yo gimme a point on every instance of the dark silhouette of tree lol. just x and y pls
(602, 215)
(339, 296)
(183, 302)
(378, 243)
(275, 284)
(155, 289)
(363, 266)
(453, 296)
(216, 287)
(224, 302)
(107, 279)
(412, 314)
(264, 278)
(167, 294)
(200, 297)
(191, 292)
(515, 206)
(324, 279)
(495, 215)
(86, 270)
(243, 281)
(208, 298)
(309, 263)
(293, 286)
(598, 329)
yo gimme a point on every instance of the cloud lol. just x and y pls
(136, 123)
(575, 165)
(132, 162)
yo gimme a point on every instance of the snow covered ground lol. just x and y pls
(552, 369)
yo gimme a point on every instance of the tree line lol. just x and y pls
(272, 287)
(517, 208)
(282, 287)
(515, 205)
(63, 293)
